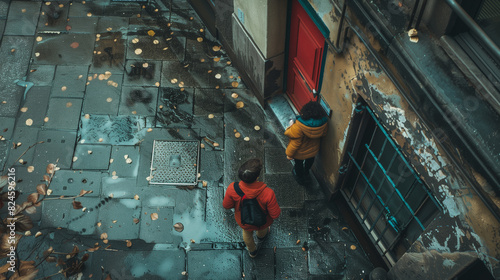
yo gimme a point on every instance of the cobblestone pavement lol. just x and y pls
(98, 88)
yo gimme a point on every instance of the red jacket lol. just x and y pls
(265, 197)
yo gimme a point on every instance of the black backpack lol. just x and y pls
(251, 212)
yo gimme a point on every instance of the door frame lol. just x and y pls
(322, 28)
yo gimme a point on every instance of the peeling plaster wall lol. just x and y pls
(466, 230)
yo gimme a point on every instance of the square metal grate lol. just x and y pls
(175, 162)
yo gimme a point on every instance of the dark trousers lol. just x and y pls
(302, 167)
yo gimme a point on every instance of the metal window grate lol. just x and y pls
(175, 162)
(385, 193)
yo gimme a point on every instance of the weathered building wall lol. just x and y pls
(466, 230)
(258, 39)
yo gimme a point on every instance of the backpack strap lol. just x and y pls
(237, 189)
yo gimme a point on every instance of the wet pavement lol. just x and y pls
(90, 86)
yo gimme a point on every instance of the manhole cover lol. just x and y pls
(175, 162)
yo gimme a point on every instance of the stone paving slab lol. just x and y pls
(22, 18)
(34, 108)
(80, 10)
(221, 225)
(291, 263)
(175, 107)
(289, 228)
(212, 129)
(6, 128)
(109, 53)
(56, 213)
(142, 73)
(65, 49)
(42, 75)
(70, 81)
(140, 101)
(15, 53)
(276, 162)
(144, 265)
(159, 230)
(27, 136)
(4, 149)
(85, 222)
(4, 8)
(326, 259)
(53, 16)
(119, 187)
(102, 96)
(208, 101)
(288, 192)
(115, 130)
(70, 183)
(82, 25)
(64, 113)
(242, 119)
(119, 163)
(57, 148)
(211, 165)
(261, 267)
(219, 264)
(123, 211)
(112, 24)
(89, 156)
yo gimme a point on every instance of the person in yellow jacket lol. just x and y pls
(305, 135)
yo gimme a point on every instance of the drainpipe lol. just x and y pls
(474, 27)
(336, 47)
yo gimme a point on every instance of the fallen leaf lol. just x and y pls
(42, 189)
(89, 14)
(129, 161)
(204, 183)
(68, 27)
(216, 59)
(344, 228)
(138, 51)
(211, 116)
(136, 197)
(129, 243)
(218, 76)
(234, 95)
(38, 234)
(246, 139)
(154, 216)
(136, 221)
(179, 227)
(199, 39)
(109, 99)
(240, 104)
(27, 233)
(151, 33)
(104, 235)
(192, 241)
(75, 45)
(216, 48)
(135, 40)
(201, 30)
(46, 119)
(24, 109)
(69, 104)
(237, 135)
(77, 204)
(353, 247)
(29, 122)
(156, 42)
(235, 84)
(298, 242)
(256, 127)
(173, 81)
(184, 273)
(30, 168)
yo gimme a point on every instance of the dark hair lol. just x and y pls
(312, 110)
(250, 170)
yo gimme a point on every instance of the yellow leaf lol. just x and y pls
(151, 33)
(154, 216)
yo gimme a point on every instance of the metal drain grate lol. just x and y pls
(175, 162)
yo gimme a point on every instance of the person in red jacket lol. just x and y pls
(249, 173)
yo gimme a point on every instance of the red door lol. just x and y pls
(305, 56)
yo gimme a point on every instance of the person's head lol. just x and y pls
(312, 110)
(250, 170)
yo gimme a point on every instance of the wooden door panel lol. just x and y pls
(306, 45)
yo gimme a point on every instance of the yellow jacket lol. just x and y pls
(305, 137)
